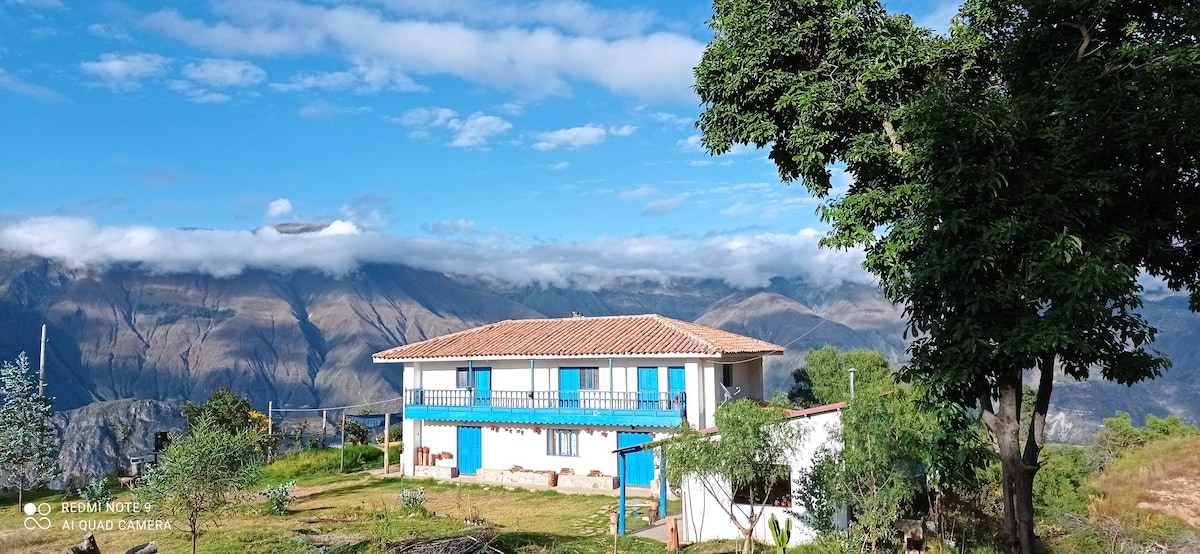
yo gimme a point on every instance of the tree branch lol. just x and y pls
(890, 130)
(1087, 39)
(1041, 404)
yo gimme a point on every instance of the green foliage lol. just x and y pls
(28, 456)
(226, 410)
(412, 500)
(97, 490)
(356, 432)
(1119, 435)
(205, 471)
(396, 431)
(825, 377)
(755, 447)
(780, 535)
(1060, 488)
(279, 497)
(993, 174)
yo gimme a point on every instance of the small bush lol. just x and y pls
(396, 432)
(412, 500)
(280, 496)
(96, 490)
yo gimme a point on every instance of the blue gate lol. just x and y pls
(639, 466)
(647, 388)
(483, 386)
(568, 387)
(470, 450)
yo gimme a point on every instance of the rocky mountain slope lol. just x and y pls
(304, 338)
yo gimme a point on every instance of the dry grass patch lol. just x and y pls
(1161, 479)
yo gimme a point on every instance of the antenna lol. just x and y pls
(729, 395)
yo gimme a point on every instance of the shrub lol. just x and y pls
(356, 432)
(280, 496)
(412, 500)
(96, 491)
(396, 432)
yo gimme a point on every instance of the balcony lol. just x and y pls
(585, 407)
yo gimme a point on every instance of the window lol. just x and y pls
(779, 491)
(463, 378)
(727, 375)
(587, 378)
(562, 442)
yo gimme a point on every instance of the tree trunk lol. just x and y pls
(1019, 465)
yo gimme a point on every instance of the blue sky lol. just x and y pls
(552, 136)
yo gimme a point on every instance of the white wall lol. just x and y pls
(520, 445)
(705, 518)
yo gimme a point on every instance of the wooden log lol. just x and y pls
(148, 548)
(672, 533)
(88, 546)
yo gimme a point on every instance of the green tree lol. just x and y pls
(1010, 181)
(207, 469)
(356, 432)
(754, 450)
(225, 408)
(825, 377)
(28, 455)
(881, 468)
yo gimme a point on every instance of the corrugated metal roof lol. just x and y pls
(628, 335)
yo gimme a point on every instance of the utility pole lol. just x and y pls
(42, 365)
(270, 428)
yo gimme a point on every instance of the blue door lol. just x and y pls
(568, 387)
(470, 450)
(676, 387)
(483, 386)
(639, 466)
(647, 388)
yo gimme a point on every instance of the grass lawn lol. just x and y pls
(347, 513)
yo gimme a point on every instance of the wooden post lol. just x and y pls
(672, 533)
(324, 422)
(387, 441)
(343, 463)
(270, 427)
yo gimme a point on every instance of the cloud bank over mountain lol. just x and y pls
(742, 260)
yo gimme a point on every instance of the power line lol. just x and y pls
(337, 407)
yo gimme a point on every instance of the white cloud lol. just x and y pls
(622, 131)
(16, 85)
(125, 71)
(699, 163)
(662, 206)
(321, 109)
(738, 259)
(224, 73)
(279, 207)
(643, 191)
(197, 94)
(364, 77)
(695, 143)
(473, 131)
(575, 137)
(560, 166)
(570, 15)
(671, 119)
(450, 227)
(109, 31)
(538, 60)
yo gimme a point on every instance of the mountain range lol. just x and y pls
(304, 338)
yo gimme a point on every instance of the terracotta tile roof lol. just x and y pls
(628, 335)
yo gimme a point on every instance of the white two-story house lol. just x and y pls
(553, 394)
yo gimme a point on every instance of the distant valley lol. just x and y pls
(305, 338)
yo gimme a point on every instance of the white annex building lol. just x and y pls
(706, 509)
(561, 395)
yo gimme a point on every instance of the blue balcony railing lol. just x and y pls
(584, 407)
